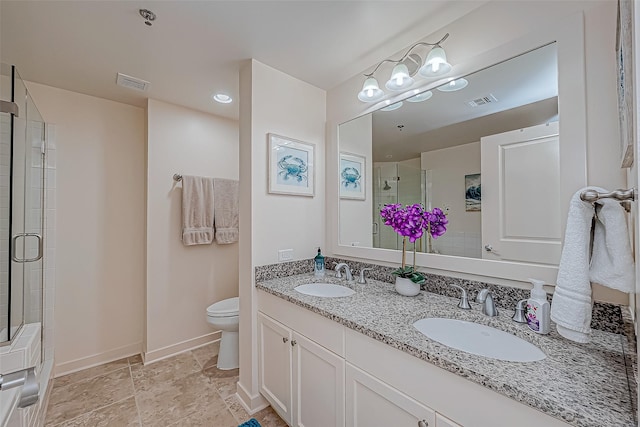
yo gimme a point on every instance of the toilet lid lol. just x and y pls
(226, 307)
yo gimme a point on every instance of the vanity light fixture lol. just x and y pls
(392, 107)
(406, 67)
(222, 98)
(453, 85)
(421, 97)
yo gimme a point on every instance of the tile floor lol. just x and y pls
(184, 390)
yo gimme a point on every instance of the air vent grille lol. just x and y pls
(132, 82)
(488, 99)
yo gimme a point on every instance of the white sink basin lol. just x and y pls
(327, 290)
(479, 339)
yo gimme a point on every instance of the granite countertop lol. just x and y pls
(582, 384)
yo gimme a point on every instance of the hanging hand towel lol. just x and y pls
(571, 305)
(612, 263)
(226, 210)
(197, 210)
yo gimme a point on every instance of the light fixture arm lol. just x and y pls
(407, 54)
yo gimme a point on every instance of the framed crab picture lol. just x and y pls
(291, 166)
(352, 176)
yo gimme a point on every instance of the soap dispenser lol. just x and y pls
(318, 265)
(538, 309)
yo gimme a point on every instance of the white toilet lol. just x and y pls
(224, 316)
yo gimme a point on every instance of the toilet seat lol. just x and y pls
(225, 308)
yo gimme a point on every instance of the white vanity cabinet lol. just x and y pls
(303, 380)
(370, 402)
(442, 421)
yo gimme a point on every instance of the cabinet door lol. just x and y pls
(274, 370)
(372, 403)
(445, 422)
(318, 385)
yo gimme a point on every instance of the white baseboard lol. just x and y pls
(251, 404)
(172, 350)
(97, 359)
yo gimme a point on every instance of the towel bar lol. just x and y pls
(623, 196)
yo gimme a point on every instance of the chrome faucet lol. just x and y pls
(362, 280)
(347, 271)
(485, 297)
(464, 299)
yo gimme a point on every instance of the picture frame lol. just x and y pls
(472, 193)
(624, 59)
(352, 176)
(291, 166)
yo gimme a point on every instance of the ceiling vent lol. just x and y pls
(481, 101)
(132, 82)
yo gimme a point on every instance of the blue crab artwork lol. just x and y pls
(292, 168)
(350, 177)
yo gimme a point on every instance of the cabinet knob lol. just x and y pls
(293, 343)
(285, 339)
(423, 423)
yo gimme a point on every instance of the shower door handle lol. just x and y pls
(376, 228)
(14, 243)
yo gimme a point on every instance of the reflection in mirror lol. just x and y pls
(484, 148)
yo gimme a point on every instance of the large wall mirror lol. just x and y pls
(494, 149)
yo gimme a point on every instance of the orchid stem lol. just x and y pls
(404, 255)
(414, 257)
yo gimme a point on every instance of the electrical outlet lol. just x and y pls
(285, 255)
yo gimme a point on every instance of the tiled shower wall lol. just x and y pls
(50, 243)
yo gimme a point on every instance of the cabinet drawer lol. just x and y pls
(323, 331)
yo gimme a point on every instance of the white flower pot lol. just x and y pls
(406, 287)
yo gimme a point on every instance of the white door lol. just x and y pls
(318, 376)
(274, 370)
(521, 209)
(372, 403)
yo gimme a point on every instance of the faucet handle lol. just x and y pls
(520, 316)
(362, 280)
(464, 298)
(338, 274)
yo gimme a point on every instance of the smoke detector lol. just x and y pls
(488, 99)
(132, 82)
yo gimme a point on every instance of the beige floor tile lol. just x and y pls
(160, 373)
(205, 354)
(214, 372)
(78, 398)
(236, 409)
(206, 418)
(90, 373)
(226, 386)
(120, 414)
(134, 360)
(269, 418)
(162, 405)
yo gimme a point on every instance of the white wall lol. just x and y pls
(100, 226)
(182, 281)
(356, 215)
(273, 102)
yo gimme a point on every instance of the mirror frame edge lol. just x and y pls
(569, 35)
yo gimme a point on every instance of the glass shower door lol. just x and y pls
(21, 211)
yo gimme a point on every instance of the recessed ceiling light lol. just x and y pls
(222, 98)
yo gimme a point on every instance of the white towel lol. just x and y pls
(197, 210)
(612, 263)
(226, 210)
(571, 304)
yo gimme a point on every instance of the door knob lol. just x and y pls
(488, 248)
(423, 423)
(293, 343)
(285, 339)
